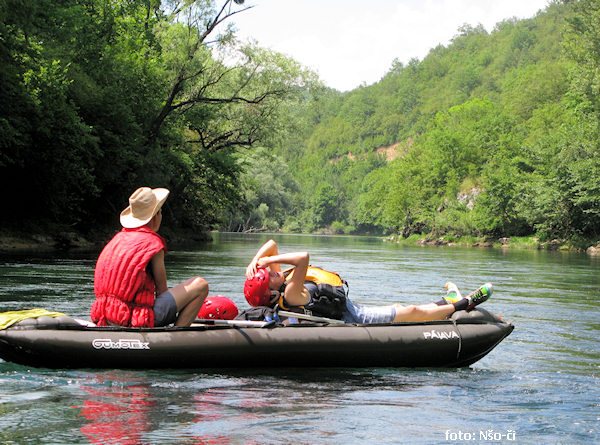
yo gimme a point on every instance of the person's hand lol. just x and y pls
(252, 268)
(263, 262)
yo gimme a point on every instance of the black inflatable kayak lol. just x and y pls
(63, 342)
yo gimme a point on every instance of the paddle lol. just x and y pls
(310, 317)
(237, 323)
(266, 324)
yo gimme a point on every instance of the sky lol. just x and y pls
(351, 42)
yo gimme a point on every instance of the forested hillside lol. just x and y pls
(495, 134)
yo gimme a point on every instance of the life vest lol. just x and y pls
(123, 285)
(316, 275)
(328, 293)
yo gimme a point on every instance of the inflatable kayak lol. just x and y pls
(64, 342)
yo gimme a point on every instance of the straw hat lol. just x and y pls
(144, 203)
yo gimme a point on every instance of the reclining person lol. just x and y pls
(317, 291)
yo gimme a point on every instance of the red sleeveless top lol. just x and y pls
(124, 287)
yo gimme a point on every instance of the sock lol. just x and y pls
(462, 305)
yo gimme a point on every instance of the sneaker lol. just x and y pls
(452, 293)
(480, 295)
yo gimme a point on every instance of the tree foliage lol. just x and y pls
(102, 97)
(495, 134)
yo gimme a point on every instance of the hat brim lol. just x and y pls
(130, 222)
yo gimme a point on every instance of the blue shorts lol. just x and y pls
(165, 309)
(358, 313)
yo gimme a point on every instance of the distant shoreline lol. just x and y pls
(18, 242)
(522, 243)
(72, 241)
(13, 241)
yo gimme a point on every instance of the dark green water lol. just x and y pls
(540, 385)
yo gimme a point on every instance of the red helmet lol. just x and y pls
(256, 289)
(218, 307)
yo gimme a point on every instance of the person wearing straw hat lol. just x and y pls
(130, 279)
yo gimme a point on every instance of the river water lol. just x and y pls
(540, 385)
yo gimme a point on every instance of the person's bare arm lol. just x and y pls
(295, 292)
(267, 249)
(159, 272)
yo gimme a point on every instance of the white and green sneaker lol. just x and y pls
(480, 295)
(452, 293)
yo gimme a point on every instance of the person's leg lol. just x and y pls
(442, 310)
(189, 297)
(165, 309)
(359, 313)
(424, 312)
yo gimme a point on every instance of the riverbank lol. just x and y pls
(19, 241)
(61, 240)
(522, 242)
(12, 241)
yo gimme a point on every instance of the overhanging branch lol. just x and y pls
(228, 100)
(181, 78)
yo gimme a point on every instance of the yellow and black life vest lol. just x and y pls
(316, 275)
(327, 291)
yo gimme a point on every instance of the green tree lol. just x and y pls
(325, 205)
(266, 192)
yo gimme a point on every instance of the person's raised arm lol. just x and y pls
(295, 292)
(267, 249)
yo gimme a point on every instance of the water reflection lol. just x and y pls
(250, 406)
(117, 414)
